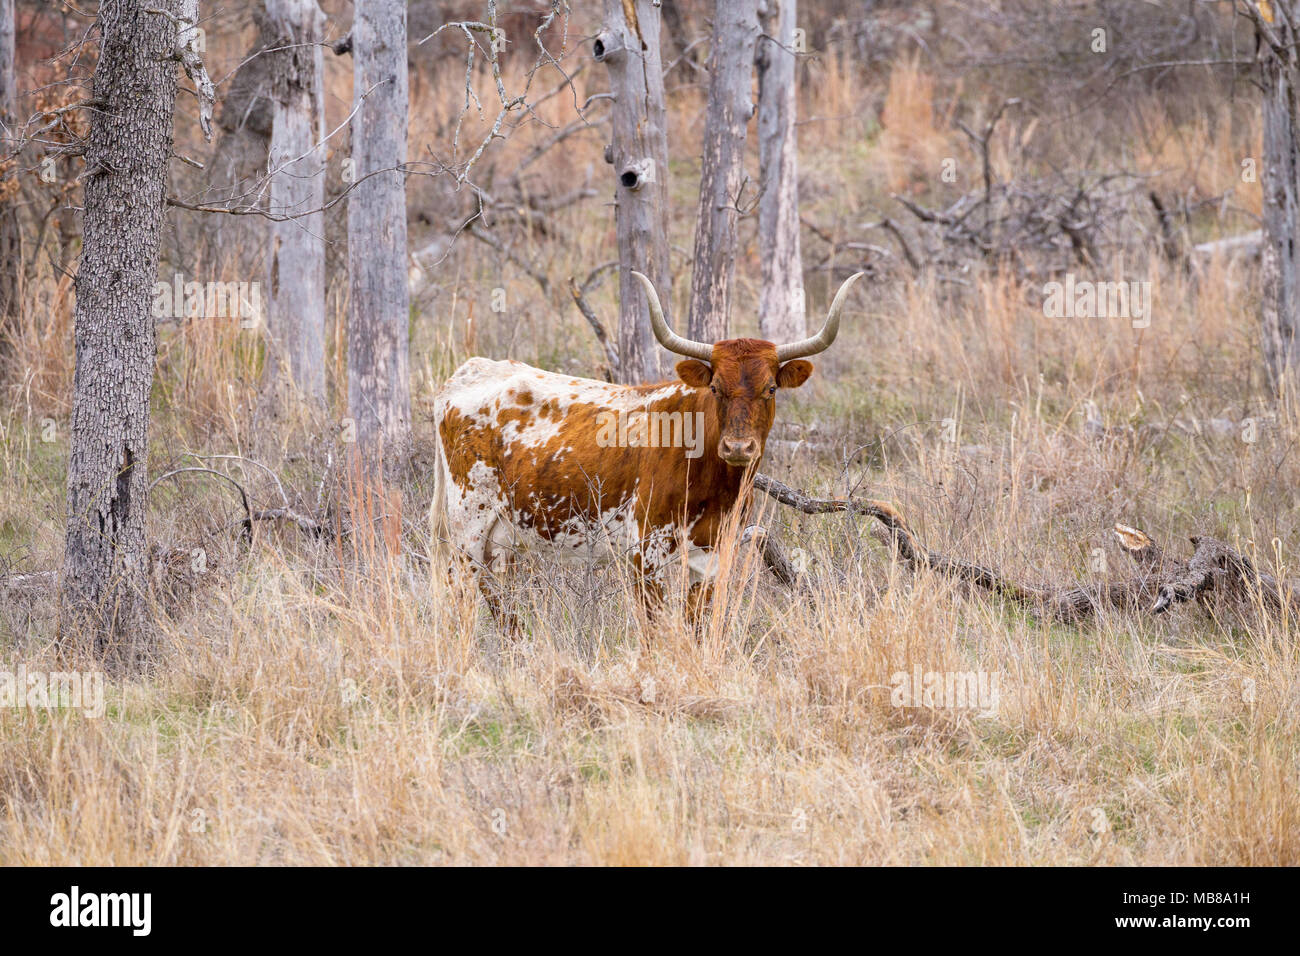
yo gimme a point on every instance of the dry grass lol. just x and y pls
(312, 704)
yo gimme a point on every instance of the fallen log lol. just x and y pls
(1161, 581)
(1215, 565)
(774, 556)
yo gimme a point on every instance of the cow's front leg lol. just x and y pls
(493, 595)
(651, 600)
(703, 563)
(649, 592)
(698, 600)
(498, 562)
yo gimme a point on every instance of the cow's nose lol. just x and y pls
(738, 450)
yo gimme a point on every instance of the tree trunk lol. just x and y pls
(731, 65)
(125, 183)
(10, 239)
(8, 65)
(294, 374)
(240, 156)
(1281, 206)
(379, 390)
(639, 154)
(781, 297)
(678, 32)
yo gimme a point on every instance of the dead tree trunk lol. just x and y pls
(676, 28)
(125, 193)
(8, 66)
(294, 374)
(240, 156)
(781, 314)
(722, 176)
(1280, 297)
(379, 388)
(10, 240)
(639, 155)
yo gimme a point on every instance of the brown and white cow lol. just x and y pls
(530, 459)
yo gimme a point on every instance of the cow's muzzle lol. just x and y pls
(739, 452)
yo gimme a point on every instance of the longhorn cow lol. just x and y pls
(528, 458)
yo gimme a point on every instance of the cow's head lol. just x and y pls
(743, 375)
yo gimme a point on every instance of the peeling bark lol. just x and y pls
(205, 91)
(125, 191)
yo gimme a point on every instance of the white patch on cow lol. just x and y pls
(481, 524)
(482, 387)
(473, 513)
(703, 564)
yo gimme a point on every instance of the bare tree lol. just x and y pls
(8, 65)
(295, 360)
(379, 388)
(236, 168)
(722, 177)
(781, 297)
(10, 240)
(639, 154)
(125, 183)
(1276, 38)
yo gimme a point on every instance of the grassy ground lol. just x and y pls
(312, 703)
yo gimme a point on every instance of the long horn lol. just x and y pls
(823, 339)
(666, 336)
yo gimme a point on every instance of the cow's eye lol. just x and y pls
(713, 389)
(771, 390)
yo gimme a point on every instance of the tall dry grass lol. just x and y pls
(327, 703)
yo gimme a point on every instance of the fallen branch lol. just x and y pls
(33, 580)
(1214, 564)
(307, 525)
(774, 556)
(1161, 581)
(243, 495)
(286, 513)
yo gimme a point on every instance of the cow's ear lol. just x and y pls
(793, 374)
(695, 374)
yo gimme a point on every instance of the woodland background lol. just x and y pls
(316, 693)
